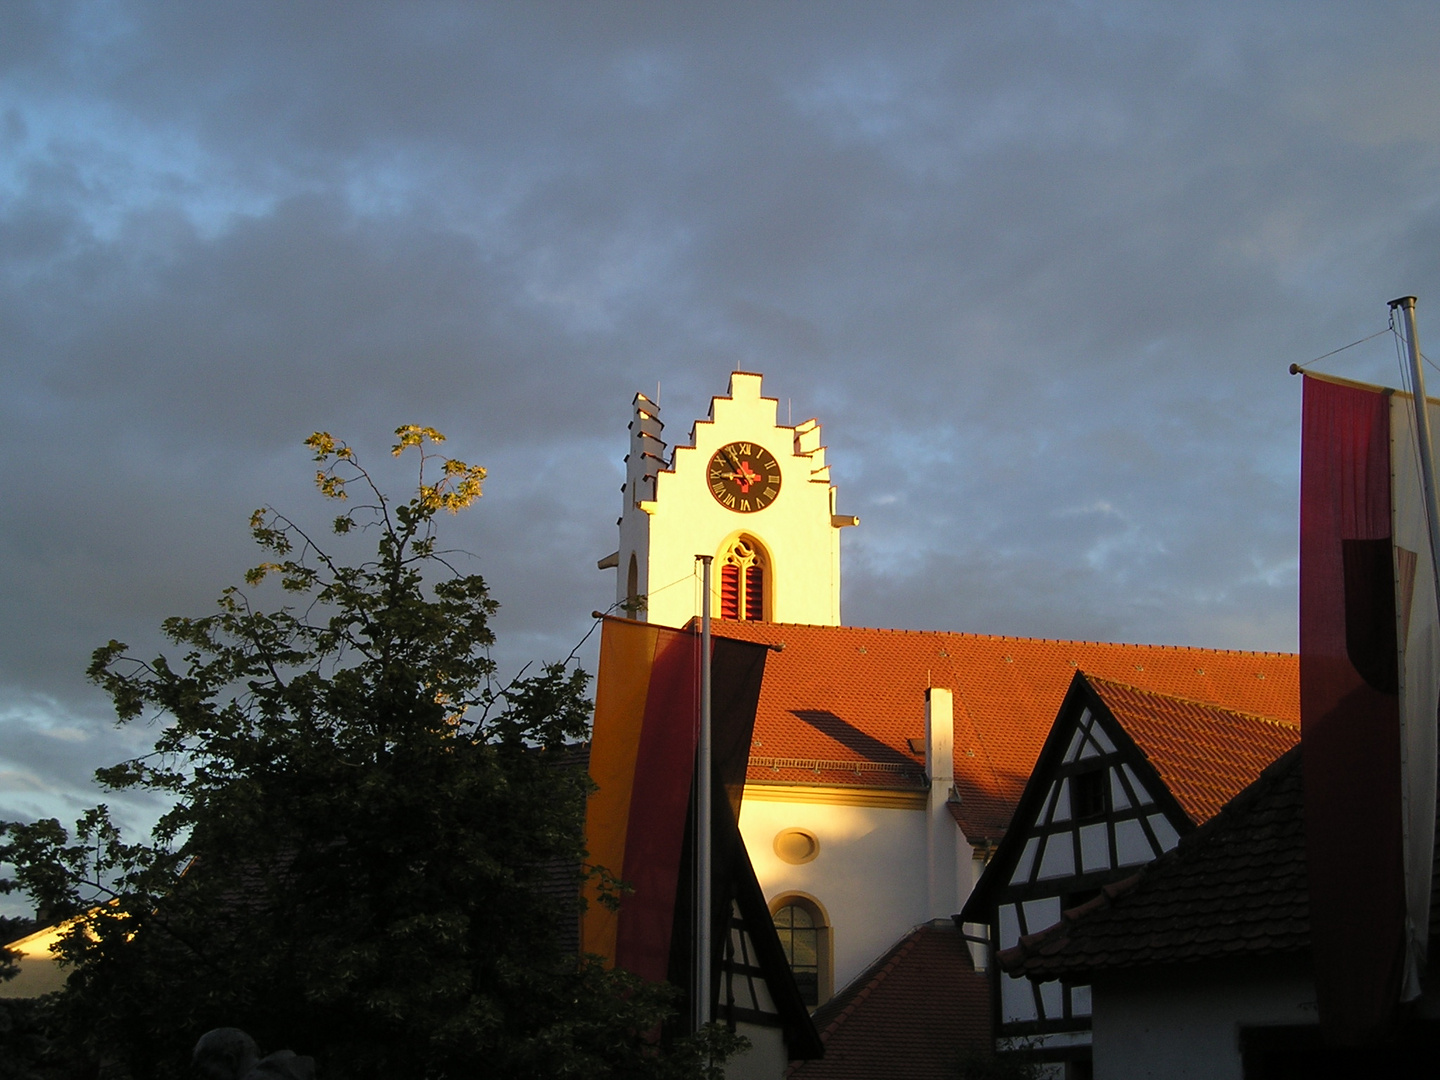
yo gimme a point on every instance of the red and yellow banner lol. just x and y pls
(642, 759)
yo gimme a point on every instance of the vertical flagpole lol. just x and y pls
(704, 886)
(1414, 781)
(1422, 433)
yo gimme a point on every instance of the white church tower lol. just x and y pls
(753, 493)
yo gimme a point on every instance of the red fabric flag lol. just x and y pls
(1350, 710)
(642, 758)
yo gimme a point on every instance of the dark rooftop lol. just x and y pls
(909, 1016)
(1236, 886)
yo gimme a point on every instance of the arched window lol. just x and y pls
(632, 586)
(742, 581)
(805, 937)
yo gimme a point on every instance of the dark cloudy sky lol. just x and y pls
(1039, 268)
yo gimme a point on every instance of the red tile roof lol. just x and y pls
(910, 1015)
(1205, 754)
(840, 703)
(1234, 887)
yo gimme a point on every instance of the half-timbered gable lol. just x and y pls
(1102, 807)
(1211, 948)
(1122, 775)
(758, 995)
(752, 987)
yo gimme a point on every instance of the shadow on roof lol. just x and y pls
(851, 737)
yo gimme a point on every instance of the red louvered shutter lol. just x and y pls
(755, 592)
(729, 591)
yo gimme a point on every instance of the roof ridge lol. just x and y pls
(839, 764)
(1039, 640)
(1290, 725)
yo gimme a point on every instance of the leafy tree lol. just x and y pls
(361, 858)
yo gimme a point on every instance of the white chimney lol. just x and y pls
(941, 832)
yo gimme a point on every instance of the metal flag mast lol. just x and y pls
(1418, 870)
(1422, 433)
(704, 866)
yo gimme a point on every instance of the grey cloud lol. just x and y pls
(1039, 270)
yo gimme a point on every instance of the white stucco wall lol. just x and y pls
(870, 875)
(766, 1059)
(1183, 1024)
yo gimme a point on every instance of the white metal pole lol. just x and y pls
(1418, 747)
(704, 885)
(1422, 433)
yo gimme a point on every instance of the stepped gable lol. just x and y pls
(909, 1016)
(1205, 754)
(1234, 887)
(840, 704)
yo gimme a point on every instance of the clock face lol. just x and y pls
(743, 477)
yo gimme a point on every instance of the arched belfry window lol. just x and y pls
(805, 937)
(632, 586)
(742, 581)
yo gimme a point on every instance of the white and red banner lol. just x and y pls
(1369, 689)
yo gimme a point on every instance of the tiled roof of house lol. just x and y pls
(840, 704)
(1206, 754)
(1236, 886)
(910, 1015)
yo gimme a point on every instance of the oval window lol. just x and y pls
(796, 845)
